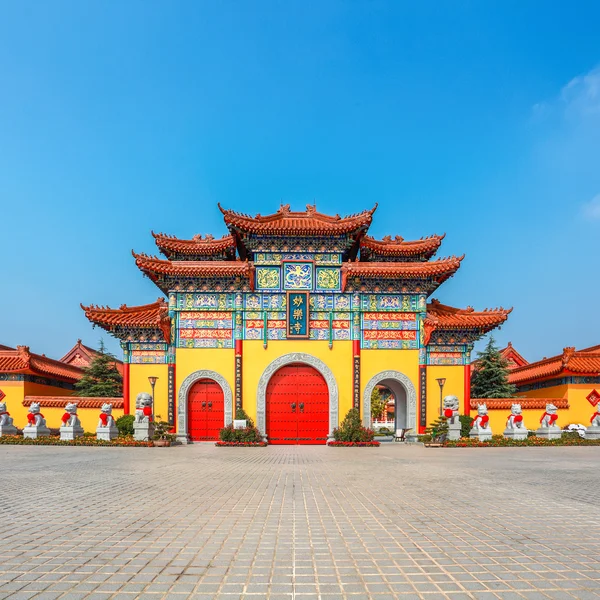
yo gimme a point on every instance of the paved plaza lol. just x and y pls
(299, 522)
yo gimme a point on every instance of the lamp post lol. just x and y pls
(441, 381)
(152, 381)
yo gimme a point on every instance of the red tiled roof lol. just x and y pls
(81, 355)
(424, 248)
(571, 361)
(513, 357)
(509, 353)
(439, 270)
(198, 246)
(287, 222)
(22, 360)
(154, 267)
(441, 316)
(147, 316)
(526, 403)
(81, 401)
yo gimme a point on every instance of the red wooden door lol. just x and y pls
(297, 406)
(206, 410)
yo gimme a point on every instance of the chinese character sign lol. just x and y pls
(297, 315)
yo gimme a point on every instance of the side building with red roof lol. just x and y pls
(570, 381)
(295, 317)
(27, 377)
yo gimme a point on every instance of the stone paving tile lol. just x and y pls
(301, 523)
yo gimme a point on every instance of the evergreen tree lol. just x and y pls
(101, 379)
(378, 403)
(490, 378)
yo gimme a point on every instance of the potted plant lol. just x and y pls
(162, 433)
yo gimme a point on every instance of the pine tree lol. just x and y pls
(101, 379)
(490, 378)
(378, 403)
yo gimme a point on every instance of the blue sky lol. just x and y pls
(477, 119)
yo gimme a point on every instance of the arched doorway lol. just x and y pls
(290, 359)
(183, 404)
(297, 406)
(405, 396)
(206, 410)
(383, 408)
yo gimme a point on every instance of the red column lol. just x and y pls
(467, 404)
(126, 388)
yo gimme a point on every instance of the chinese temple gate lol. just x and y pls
(296, 317)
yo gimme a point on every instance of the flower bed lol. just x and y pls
(361, 444)
(222, 444)
(502, 442)
(124, 442)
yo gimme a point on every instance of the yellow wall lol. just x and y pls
(17, 390)
(579, 411)
(454, 386)
(531, 418)
(339, 359)
(257, 359)
(138, 382)
(15, 394)
(557, 391)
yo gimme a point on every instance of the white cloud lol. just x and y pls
(578, 98)
(591, 209)
(581, 96)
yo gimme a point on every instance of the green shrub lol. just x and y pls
(240, 415)
(384, 431)
(465, 425)
(352, 430)
(125, 424)
(247, 434)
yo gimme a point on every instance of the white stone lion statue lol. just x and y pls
(515, 419)
(482, 421)
(106, 418)
(595, 420)
(70, 418)
(35, 418)
(143, 408)
(450, 408)
(5, 419)
(550, 417)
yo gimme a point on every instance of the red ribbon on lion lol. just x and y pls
(104, 419)
(552, 418)
(31, 417)
(596, 414)
(448, 412)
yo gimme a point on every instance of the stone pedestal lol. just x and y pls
(592, 433)
(549, 433)
(454, 430)
(484, 435)
(107, 433)
(515, 434)
(34, 431)
(143, 432)
(70, 433)
(8, 430)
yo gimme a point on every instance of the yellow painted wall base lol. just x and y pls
(579, 411)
